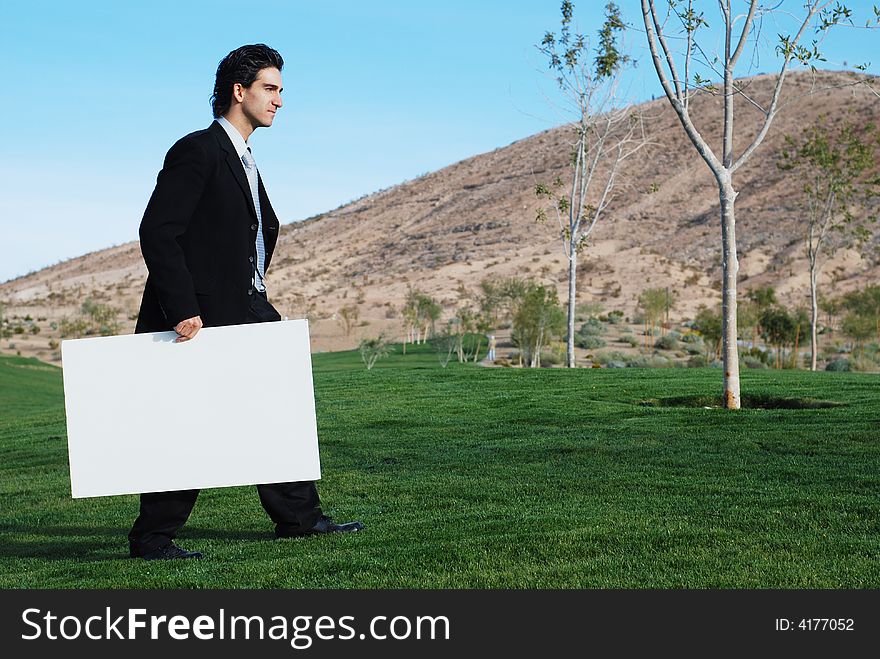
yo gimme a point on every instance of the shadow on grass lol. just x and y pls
(748, 401)
(94, 543)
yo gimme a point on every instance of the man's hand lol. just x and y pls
(188, 328)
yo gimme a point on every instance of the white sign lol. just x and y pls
(234, 406)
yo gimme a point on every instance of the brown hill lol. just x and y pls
(446, 231)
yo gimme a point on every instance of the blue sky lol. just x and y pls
(376, 92)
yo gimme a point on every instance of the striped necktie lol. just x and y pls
(250, 168)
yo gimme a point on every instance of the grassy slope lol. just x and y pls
(470, 477)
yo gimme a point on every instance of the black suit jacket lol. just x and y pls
(198, 234)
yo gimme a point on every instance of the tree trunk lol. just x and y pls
(572, 288)
(814, 319)
(730, 267)
(477, 351)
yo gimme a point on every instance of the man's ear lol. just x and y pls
(238, 92)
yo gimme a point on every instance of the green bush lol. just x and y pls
(667, 342)
(763, 356)
(592, 327)
(589, 342)
(605, 358)
(553, 354)
(753, 362)
(838, 366)
(630, 340)
(589, 336)
(651, 361)
(863, 363)
(698, 361)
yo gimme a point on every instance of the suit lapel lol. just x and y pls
(270, 221)
(235, 165)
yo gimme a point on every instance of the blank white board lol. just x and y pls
(233, 406)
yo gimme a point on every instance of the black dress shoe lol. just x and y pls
(326, 525)
(168, 552)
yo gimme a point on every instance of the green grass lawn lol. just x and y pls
(471, 477)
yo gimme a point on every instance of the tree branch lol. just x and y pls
(771, 112)
(745, 33)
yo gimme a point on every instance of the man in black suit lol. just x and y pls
(207, 237)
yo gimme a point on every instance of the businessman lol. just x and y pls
(207, 237)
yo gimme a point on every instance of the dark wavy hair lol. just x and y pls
(241, 65)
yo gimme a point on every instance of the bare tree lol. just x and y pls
(347, 317)
(374, 349)
(833, 164)
(605, 135)
(655, 304)
(420, 313)
(736, 31)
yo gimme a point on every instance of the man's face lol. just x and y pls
(262, 99)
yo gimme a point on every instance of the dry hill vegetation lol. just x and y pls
(445, 231)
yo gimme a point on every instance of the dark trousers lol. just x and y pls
(294, 507)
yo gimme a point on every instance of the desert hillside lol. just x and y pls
(447, 230)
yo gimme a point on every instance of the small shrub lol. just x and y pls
(756, 353)
(630, 340)
(691, 337)
(838, 366)
(698, 361)
(753, 362)
(863, 363)
(613, 318)
(605, 358)
(651, 361)
(589, 336)
(592, 327)
(553, 355)
(668, 342)
(589, 342)
(373, 349)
